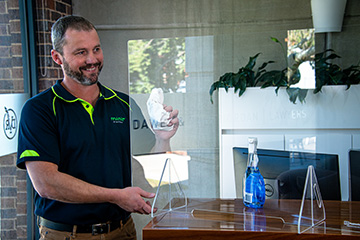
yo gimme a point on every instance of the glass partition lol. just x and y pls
(183, 47)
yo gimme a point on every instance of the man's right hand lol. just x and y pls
(131, 200)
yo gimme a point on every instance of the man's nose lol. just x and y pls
(91, 58)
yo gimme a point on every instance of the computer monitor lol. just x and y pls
(284, 172)
(354, 161)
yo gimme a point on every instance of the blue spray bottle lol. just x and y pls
(254, 186)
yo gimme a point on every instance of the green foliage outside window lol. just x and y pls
(156, 63)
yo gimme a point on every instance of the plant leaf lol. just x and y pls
(252, 61)
(275, 39)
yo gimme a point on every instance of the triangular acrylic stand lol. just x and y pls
(312, 209)
(169, 194)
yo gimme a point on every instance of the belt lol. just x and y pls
(94, 229)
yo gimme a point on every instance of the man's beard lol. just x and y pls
(79, 76)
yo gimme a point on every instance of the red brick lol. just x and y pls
(19, 85)
(8, 213)
(13, 4)
(17, 73)
(21, 197)
(11, 234)
(7, 170)
(4, 29)
(8, 181)
(21, 232)
(8, 192)
(7, 160)
(4, 51)
(21, 185)
(4, 73)
(3, 7)
(45, 84)
(21, 174)
(16, 49)
(51, 4)
(21, 208)
(53, 73)
(15, 26)
(8, 224)
(8, 203)
(21, 220)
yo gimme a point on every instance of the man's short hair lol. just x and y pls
(59, 28)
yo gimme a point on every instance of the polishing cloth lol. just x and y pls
(159, 118)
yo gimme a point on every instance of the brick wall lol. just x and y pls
(13, 181)
(11, 79)
(13, 199)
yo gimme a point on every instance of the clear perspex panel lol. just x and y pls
(312, 210)
(167, 173)
(169, 194)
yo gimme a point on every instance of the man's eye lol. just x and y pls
(80, 53)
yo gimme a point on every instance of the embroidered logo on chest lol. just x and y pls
(117, 119)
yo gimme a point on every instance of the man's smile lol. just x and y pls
(91, 68)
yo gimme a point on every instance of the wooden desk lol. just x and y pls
(225, 219)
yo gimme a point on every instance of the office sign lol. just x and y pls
(10, 110)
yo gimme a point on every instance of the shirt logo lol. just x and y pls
(117, 119)
(10, 123)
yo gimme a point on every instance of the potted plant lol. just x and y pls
(326, 72)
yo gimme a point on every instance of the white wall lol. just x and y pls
(328, 119)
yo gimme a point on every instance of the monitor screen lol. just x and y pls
(354, 157)
(284, 172)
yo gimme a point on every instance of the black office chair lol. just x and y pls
(354, 162)
(291, 184)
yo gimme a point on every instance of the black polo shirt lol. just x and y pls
(92, 144)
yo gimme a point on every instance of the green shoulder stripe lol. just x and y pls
(29, 153)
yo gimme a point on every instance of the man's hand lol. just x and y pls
(163, 137)
(131, 200)
(174, 121)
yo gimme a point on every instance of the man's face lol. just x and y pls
(82, 58)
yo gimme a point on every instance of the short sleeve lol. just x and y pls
(38, 138)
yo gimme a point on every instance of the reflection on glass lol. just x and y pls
(157, 63)
(284, 172)
(300, 55)
(303, 144)
(248, 220)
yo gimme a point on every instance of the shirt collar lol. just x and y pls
(59, 90)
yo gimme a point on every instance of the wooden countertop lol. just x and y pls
(230, 219)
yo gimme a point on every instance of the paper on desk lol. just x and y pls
(159, 118)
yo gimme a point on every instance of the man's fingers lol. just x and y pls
(147, 194)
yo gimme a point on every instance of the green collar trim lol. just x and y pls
(115, 95)
(106, 93)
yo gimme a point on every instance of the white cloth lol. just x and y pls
(159, 118)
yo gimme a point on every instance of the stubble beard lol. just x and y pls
(79, 77)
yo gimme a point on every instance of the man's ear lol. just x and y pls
(56, 56)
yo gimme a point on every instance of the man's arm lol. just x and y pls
(52, 184)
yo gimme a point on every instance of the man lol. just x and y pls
(74, 141)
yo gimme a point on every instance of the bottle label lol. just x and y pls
(248, 197)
